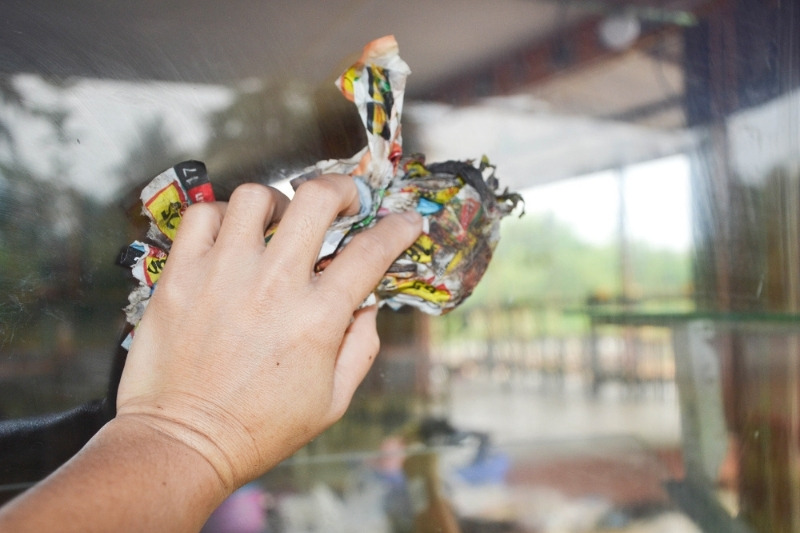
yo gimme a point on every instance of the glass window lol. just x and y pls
(630, 361)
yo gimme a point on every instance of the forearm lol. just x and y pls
(129, 477)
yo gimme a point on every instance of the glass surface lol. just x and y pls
(630, 360)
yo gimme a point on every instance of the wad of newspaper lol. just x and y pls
(459, 201)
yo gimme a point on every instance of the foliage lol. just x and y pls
(540, 259)
(542, 265)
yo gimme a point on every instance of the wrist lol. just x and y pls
(206, 428)
(152, 469)
(173, 447)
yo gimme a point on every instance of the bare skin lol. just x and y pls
(243, 356)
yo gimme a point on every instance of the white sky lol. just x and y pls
(765, 138)
(105, 119)
(657, 198)
(529, 145)
(526, 142)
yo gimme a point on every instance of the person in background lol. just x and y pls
(245, 511)
(243, 356)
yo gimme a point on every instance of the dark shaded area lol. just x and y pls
(33, 447)
(741, 56)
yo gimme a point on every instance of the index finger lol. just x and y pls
(298, 239)
(359, 267)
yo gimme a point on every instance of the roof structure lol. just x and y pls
(610, 66)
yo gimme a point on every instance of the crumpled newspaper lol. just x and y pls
(459, 201)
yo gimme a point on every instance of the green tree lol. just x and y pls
(541, 260)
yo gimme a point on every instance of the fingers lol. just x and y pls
(200, 225)
(296, 244)
(356, 271)
(356, 355)
(251, 208)
(315, 205)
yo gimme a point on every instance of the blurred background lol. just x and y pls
(629, 362)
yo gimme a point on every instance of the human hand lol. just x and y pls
(244, 354)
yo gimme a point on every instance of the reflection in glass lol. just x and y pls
(631, 358)
(71, 151)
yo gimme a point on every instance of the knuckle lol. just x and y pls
(198, 211)
(328, 195)
(338, 410)
(170, 292)
(369, 245)
(247, 192)
(328, 301)
(321, 189)
(373, 344)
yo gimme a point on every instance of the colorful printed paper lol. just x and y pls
(458, 200)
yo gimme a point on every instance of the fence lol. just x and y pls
(549, 344)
